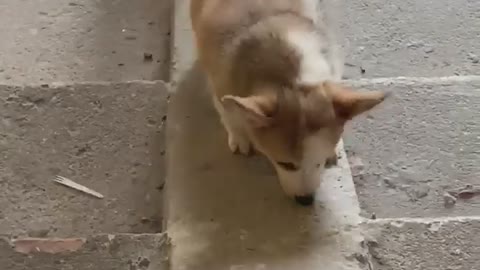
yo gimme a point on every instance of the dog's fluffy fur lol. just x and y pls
(274, 80)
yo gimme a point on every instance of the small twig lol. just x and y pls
(69, 183)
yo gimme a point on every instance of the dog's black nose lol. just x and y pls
(306, 200)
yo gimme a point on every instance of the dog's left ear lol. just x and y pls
(348, 103)
(255, 110)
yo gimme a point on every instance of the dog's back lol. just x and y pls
(220, 26)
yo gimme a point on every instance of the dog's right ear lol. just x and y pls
(255, 110)
(348, 103)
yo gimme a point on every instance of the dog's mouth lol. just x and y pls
(306, 200)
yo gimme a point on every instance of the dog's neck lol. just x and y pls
(284, 49)
(314, 67)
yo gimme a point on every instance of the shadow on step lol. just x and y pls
(225, 210)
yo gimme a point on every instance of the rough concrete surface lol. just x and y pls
(451, 244)
(108, 137)
(229, 212)
(421, 143)
(100, 252)
(183, 49)
(411, 38)
(88, 40)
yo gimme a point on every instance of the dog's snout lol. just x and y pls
(305, 200)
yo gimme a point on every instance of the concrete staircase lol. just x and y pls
(389, 204)
(102, 127)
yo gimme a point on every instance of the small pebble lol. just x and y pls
(130, 37)
(456, 252)
(474, 58)
(43, 233)
(374, 216)
(449, 200)
(421, 192)
(415, 45)
(429, 50)
(161, 186)
(362, 70)
(389, 183)
(147, 56)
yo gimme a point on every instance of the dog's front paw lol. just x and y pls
(331, 161)
(240, 144)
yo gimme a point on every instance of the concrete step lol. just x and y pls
(424, 244)
(99, 252)
(229, 212)
(385, 38)
(419, 145)
(106, 136)
(256, 227)
(89, 40)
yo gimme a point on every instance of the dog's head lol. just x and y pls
(298, 129)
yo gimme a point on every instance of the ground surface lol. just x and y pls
(403, 157)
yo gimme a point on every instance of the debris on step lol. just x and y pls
(465, 193)
(449, 200)
(69, 183)
(40, 233)
(429, 50)
(50, 246)
(147, 56)
(357, 166)
(474, 58)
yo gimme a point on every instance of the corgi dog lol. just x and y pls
(275, 82)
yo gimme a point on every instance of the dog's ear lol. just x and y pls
(348, 103)
(255, 110)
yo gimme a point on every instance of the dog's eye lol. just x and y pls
(288, 166)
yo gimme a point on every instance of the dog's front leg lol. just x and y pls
(332, 160)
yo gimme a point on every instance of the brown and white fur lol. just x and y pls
(274, 80)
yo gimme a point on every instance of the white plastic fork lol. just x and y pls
(69, 183)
